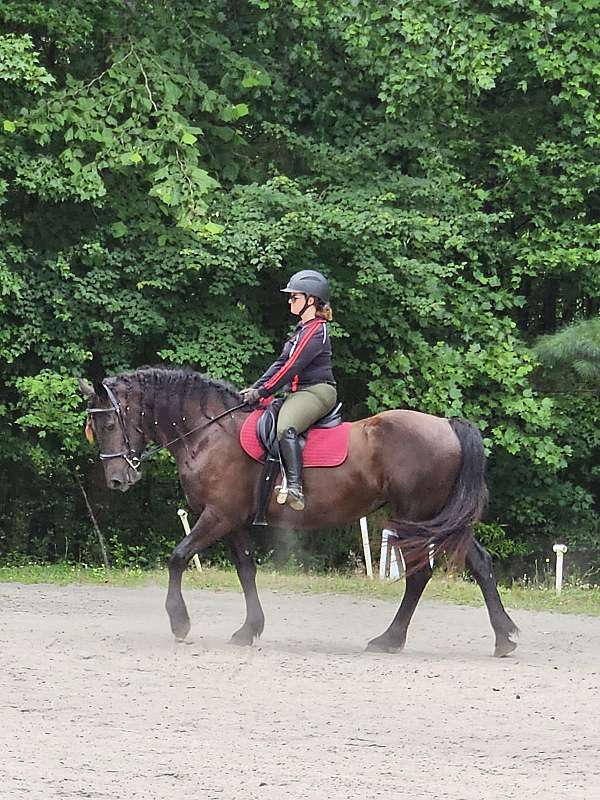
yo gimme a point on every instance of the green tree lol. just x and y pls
(164, 167)
(573, 354)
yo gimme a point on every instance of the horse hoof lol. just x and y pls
(382, 645)
(504, 648)
(242, 638)
(180, 632)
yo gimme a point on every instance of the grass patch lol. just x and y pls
(573, 600)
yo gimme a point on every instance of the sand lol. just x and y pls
(97, 701)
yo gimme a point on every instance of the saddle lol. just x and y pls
(324, 444)
(266, 426)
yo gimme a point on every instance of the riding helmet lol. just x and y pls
(309, 282)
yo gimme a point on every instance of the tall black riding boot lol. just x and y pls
(291, 455)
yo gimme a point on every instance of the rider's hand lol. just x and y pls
(250, 395)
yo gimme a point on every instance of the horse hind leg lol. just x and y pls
(479, 562)
(246, 569)
(394, 638)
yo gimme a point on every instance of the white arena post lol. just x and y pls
(560, 550)
(387, 559)
(183, 516)
(366, 546)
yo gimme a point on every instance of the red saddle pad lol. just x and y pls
(325, 447)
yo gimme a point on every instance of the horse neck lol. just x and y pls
(172, 409)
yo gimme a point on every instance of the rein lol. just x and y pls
(133, 459)
(149, 453)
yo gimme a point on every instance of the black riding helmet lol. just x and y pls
(309, 282)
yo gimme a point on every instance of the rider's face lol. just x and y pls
(296, 301)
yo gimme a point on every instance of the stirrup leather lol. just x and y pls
(265, 487)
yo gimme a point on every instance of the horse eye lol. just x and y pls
(109, 426)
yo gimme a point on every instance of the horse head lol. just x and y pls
(111, 423)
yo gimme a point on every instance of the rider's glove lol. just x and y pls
(250, 395)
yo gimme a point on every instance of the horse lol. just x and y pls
(429, 470)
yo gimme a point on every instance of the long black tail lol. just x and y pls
(451, 530)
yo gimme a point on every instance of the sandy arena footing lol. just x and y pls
(97, 701)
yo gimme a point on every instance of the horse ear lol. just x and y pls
(100, 390)
(86, 388)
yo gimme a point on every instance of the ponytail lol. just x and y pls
(324, 311)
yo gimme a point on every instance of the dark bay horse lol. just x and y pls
(429, 470)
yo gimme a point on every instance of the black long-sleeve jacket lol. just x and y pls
(304, 361)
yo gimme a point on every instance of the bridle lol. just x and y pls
(133, 458)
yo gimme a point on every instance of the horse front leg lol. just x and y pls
(479, 562)
(209, 527)
(246, 570)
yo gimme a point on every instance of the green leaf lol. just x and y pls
(130, 158)
(213, 228)
(9, 126)
(189, 138)
(119, 229)
(257, 78)
(240, 110)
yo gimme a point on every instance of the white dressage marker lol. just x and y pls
(183, 516)
(391, 554)
(366, 546)
(560, 550)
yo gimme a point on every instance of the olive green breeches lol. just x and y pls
(300, 409)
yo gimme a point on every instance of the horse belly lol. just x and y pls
(336, 495)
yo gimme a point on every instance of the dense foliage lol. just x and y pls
(165, 166)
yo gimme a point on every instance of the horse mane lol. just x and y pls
(177, 384)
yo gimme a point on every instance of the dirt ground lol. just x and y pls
(97, 701)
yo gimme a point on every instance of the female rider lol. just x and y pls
(304, 369)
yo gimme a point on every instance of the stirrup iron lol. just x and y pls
(282, 489)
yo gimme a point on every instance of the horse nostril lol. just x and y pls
(114, 483)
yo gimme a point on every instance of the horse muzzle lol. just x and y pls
(123, 482)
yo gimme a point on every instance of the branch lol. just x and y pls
(95, 523)
(184, 172)
(108, 69)
(146, 82)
